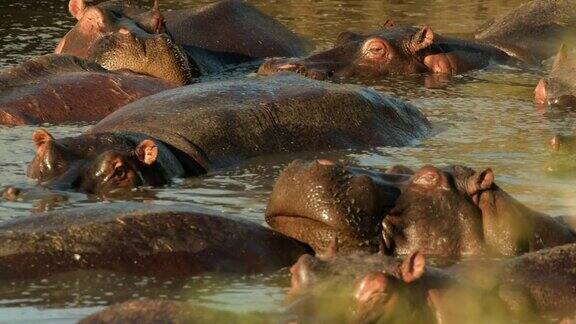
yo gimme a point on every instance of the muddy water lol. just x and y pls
(483, 119)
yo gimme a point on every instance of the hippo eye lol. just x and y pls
(375, 49)
(120, 172)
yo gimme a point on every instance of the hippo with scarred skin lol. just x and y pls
(381, 288)
(191, 130)
(142, 239)
(392, 50)
(448, 213)
(230, 31)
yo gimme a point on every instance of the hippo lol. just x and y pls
(153, 311)
(141, 239)
(383, 288)
(449, 213)
(46, 90)
(191, 130)
(533, 31)
(391, 50)
(229, 28)
(558, 90)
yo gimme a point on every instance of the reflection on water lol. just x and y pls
(483, 119)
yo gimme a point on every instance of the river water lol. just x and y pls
(483, 119)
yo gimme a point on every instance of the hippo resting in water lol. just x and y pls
(391, 50)
(533, 31)
(63, 88)
(191, 130)
(447, 213)
(141, 239)
(379, 288)
(558, 90)
(229, 31)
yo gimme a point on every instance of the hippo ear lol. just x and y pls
(413, 267)
(561, 57)
(422, 39)
(76, 8)
(554, 143)
(40, 138)
(157, 20)
(388, 23)
(485, 179)
(147, 152)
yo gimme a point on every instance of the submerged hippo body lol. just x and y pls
(533, 31)
(191, 130)
(392, 50)
(558, 89)
(140, 239)
(62, 88)
(231, 31)
(444, 213)
(382, 288)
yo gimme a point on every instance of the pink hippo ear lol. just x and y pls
(147, 152)
(388, 23)
(413, 267)
(76, 8)
(40, 138)
(422, 39)
(485, 179)
(157, 20)
(561, 57)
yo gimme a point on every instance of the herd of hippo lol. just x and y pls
(401, 245)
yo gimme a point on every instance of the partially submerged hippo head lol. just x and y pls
(391, 50)
(434, 217)
(95, 165)
(563, 152)
(120, 37)
(376, 288)
(558, 90)
(319, 201)
(447, 213)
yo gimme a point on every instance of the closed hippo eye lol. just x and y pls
(375, 49)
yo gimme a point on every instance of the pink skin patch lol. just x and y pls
(540, 96)
(325, 162)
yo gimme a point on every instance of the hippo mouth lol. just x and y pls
(154, 55)
(304, 229)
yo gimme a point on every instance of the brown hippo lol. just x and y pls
(143, 239)
(392, 50)
(63, 88)
(380, 288)
(558, 90)
(191, 130)
(171, 312)
(224, 28)
(447, 213)
(533, 31)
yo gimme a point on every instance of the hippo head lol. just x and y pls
(391, 50)
(558, 90)
(120, 37)
(318, 201)
(433, 216)
(376, 288)
(93, 164)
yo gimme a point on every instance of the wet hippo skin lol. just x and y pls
(47, 89)
(143, 239)
(450, 213)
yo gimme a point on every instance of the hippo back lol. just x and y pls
(222, 123)
(241, 29)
